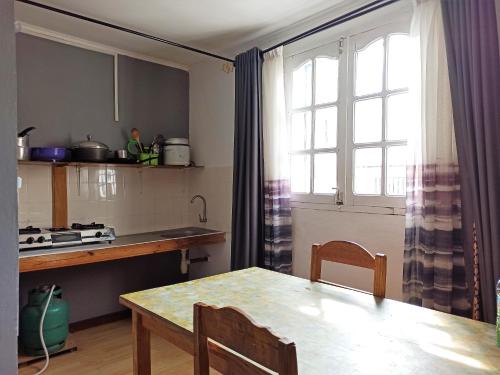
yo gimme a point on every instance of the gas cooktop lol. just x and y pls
(78, 234)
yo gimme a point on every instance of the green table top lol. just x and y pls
(336, 330)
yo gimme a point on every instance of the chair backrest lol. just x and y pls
(353, 254)
(230, 328)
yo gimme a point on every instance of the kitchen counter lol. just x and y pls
(123, 247)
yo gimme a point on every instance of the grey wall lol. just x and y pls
(8, 196)
(67, 93)
(93, 290)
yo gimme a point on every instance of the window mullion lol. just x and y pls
(384, 117)
(313, 124)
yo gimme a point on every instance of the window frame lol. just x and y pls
(292, 62)
(358, 42)
(344, 43)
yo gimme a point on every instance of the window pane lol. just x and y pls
(369, 68)
(398, 109)
(325, 128)
(325, 173)
(302, 85)
(301, 131)
(368, 120)
(396, 170)
(300, 173)
(397, 61)
(327, 76)
(367, 171)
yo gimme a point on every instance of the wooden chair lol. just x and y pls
(353, 254)
(230, 328)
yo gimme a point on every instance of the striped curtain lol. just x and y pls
(434, 267)
(278, 214)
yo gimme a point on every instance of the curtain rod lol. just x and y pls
(121, 28)
(368, 8)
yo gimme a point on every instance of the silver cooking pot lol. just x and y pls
(23, 144)
(90, 151)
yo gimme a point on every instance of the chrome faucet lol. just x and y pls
(203, 219)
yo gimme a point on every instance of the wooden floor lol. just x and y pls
(107, 350)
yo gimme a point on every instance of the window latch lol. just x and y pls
(341, 45)
(339, 198)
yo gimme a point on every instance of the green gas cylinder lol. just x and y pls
(55, 325)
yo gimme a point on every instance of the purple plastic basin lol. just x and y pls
(50, 154)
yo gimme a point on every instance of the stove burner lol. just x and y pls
(29, 230)
(92, 225)
(58, 229)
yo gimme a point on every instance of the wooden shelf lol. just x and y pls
(111, 165)
(117, 250)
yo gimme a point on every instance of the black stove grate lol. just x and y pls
(78, 226)
(29, 230)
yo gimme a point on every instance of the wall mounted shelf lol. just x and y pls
(105, 165)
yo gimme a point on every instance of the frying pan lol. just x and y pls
(50, 154)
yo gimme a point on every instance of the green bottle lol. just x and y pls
(55, 325)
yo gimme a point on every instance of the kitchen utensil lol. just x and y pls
(148, 159)
(177, 152)
(23, 153)
(137, 138)
(121, 154)
(52, 154)
(23, 133)
(23, 146)
(90, 151)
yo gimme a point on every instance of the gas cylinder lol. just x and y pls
(55, 325)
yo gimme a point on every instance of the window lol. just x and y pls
(379, 104)
(347, 104)
(313, 122)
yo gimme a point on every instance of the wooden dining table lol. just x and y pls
(336, 330)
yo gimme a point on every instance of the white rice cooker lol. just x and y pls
(177, 152)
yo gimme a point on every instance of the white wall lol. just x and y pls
(378, 233)
(211, 137)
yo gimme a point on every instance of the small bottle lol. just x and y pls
(498, 313)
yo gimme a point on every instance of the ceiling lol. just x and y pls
(220, 26)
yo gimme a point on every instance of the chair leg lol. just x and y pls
(315, 263)
(380, 275)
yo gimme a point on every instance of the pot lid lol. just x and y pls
(89, 143)
(177, 141)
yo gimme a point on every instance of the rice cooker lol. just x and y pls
(177, 152)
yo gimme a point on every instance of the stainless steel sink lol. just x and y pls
(186, 232)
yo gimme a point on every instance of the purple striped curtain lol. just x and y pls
(278, 226)
(434, 268)
(278, 213)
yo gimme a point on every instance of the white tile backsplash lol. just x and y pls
(35, 196)
(131, 200)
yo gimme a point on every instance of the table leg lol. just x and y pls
(141, 346)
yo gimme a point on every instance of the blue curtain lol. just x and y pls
(247, 241)
(474, 70)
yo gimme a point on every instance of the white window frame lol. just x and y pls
(358, 42)
(344, 48)
(330, 50)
